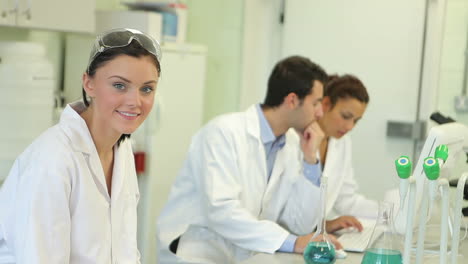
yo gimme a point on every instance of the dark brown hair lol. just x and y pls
(294, 74)
(345, 86)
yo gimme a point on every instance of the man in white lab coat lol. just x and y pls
(250, 180)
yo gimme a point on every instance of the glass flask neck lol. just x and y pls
(321, 227)
(320, 250)
(385, 216)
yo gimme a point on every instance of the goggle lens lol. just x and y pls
(118, 38)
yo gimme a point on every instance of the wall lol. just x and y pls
(453, 58)
(110, 4)
(262, 43)
(219, 26)
(452, 66)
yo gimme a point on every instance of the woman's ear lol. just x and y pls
(88, 85)
(326, 104)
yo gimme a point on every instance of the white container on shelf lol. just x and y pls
(174, 18)
(27, 87)
(174, 23)
(147, 22)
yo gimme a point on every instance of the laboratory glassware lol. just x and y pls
(320, 249)
(384, 247)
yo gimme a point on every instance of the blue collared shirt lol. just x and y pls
(272, 144)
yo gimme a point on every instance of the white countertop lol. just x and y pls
(352, 258)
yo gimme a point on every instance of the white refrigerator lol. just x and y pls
(166, 134)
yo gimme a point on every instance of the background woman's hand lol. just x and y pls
(343, 222)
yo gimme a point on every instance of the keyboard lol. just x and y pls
(355, 241)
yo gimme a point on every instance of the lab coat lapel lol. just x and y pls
(332, 169)
(97, 172)
(74, 126)
(278, 169)
(117, 173)
(253, 129)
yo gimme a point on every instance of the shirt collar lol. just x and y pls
(266, 133)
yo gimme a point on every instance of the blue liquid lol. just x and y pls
(319, 252)
(382, 256)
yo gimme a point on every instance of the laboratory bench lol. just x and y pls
(352, 258)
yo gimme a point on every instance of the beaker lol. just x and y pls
(384, 246)
(320, 249)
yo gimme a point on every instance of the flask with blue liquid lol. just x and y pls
(385, 248)
(320, 248)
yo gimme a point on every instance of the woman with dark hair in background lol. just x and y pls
(344, 103)
(72, 195)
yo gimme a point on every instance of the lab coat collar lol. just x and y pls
(75, 128)
(253, 125)
(266, 133)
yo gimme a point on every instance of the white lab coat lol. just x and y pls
(222, 203)
(342, 193)
(54, 205)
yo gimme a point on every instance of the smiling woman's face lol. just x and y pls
(341, 118)
(122, 92)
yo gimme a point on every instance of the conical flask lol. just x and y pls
(320, 248)
(384, 246)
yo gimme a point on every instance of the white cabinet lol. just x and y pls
(62, 15)
(7, 13)
(28, 83)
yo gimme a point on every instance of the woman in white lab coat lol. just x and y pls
(71, 196)
(344, 103)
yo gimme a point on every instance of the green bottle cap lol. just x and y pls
(403, 167)
(441, 152)
(431, 168)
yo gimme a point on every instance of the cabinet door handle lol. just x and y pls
(14, 10)
(27, 12)
(11, 11)
(5, 13)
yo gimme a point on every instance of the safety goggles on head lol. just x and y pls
(122, 37)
